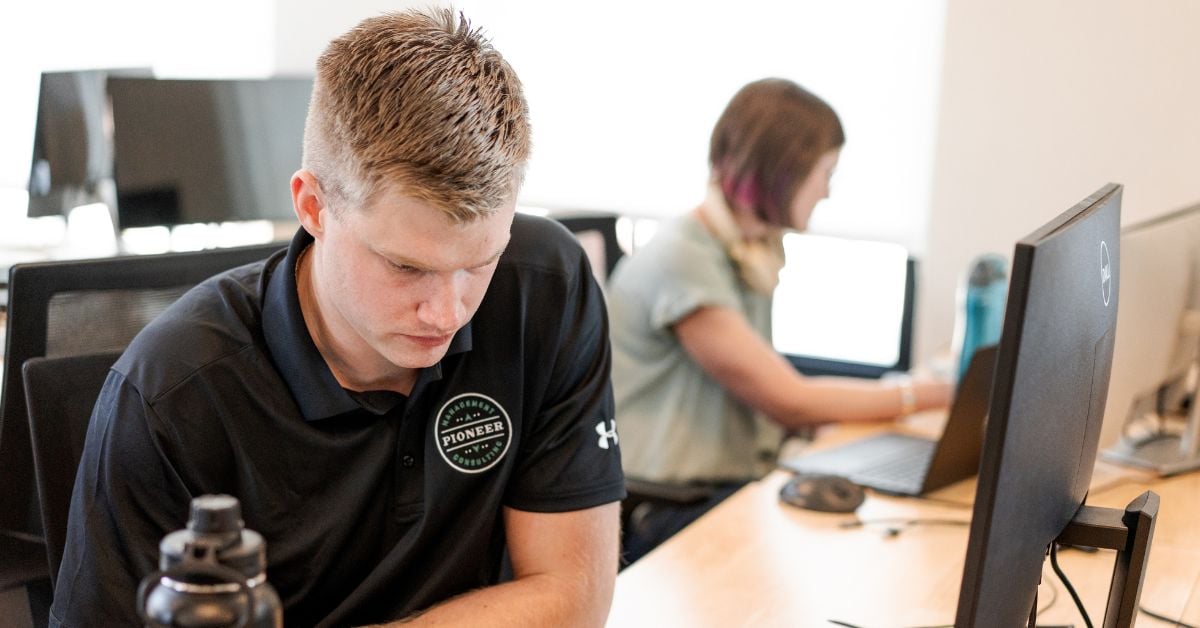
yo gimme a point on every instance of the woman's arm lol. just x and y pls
(726, 347)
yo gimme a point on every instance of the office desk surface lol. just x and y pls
(754, 561)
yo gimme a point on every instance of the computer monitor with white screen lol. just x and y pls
(1151, 409)
(844, 306)
(1047, 405)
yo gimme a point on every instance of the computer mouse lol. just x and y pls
(826, 493)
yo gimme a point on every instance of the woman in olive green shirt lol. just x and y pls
(701, 395)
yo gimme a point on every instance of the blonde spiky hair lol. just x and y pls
(421, 103)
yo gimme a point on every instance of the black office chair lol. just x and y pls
(647, 492)
(60, 394)
(70, 308)
(602, 227)
(639, 492)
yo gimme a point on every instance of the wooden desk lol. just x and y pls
(754, 561)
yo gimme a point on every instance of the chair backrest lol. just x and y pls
(60, 394)
(597, 232)
(83, 306)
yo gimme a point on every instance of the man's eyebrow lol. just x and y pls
(401, 260)
(496, 256)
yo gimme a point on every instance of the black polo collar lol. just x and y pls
(308, 377)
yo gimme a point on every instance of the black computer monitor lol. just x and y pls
(597, 233)
(844, 306)
(203, 151)
(1047, 406)
(72, 148)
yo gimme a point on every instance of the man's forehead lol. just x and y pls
(396, 190)
(414, 232)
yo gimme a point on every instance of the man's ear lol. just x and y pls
(309, 203)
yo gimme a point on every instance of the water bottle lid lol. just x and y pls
(215, 514)
(248, 556)
(987, 269)
(215, 532)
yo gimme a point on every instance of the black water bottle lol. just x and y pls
(213, 574)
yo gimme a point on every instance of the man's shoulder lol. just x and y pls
(542, 243)
(217, 318)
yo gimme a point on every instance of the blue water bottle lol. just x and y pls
(981, 314)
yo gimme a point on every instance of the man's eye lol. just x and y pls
(404, 268)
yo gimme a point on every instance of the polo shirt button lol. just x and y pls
(408, 461)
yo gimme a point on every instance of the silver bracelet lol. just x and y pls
(908, 396)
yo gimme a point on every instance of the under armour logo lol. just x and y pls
(606, 434)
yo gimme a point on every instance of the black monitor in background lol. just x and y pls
(844, 306)
(597, 233)
(72, 148)
(1047, 406)
(203, 151)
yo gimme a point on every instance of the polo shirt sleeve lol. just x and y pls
(570, 457)
(685, 277)
(126, 498)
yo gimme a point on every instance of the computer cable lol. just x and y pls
(1053, 595)
(850, 625)
(945, 502)
(1175, 622)
(1087, 621)
(1164, 618)
(1049, 585)
(896, 525)
(1141, 609)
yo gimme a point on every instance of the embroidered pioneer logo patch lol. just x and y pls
(473, 432)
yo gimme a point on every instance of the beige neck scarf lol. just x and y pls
(759, 260)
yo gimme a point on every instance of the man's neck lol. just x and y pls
(354, 365)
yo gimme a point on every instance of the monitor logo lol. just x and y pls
(1105, 274)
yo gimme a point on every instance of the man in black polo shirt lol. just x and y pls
(417, 386)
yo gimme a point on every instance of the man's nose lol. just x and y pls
(442, 308)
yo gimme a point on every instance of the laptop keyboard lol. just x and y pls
(905, 473)
(896, 463)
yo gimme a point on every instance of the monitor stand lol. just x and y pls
(1176, 399)
(1165, 454)
(1128, 532)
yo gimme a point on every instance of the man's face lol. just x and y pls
(398, 278)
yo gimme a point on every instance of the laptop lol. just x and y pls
(902, 464)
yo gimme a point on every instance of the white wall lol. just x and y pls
(303, 27)
(1044, 102)
(623, 94)
(1040, 102)
(214, 38)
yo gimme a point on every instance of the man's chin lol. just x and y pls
(418, 358)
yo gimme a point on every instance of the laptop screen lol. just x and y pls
(844, 306)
